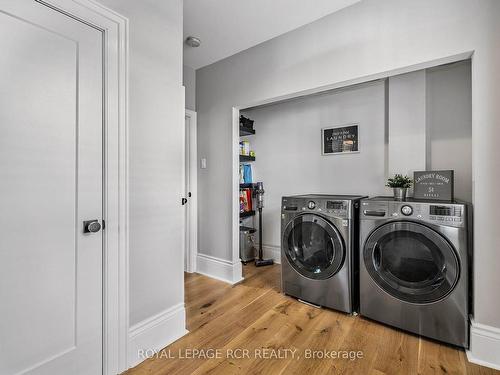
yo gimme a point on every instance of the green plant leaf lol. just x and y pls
(399, 181)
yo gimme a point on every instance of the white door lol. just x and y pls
(51, 170)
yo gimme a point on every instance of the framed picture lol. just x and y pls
(340, 139)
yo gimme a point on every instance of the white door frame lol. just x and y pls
(114, 28)
(191, 247)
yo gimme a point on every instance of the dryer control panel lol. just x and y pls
(327, 207)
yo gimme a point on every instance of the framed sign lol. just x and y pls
(433, 185)
(340, 140)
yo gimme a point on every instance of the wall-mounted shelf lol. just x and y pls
(246, 186)
(246, 214)
(246, 131)
(244, 158)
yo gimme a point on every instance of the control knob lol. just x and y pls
(406, 210)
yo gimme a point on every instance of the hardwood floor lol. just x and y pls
(256, 317)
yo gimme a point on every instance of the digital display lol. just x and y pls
(330, 205)
(441, 210)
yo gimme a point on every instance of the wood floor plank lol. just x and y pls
(254, 315)
(329, 330)
(293, 318)
(275, 323)
(213, 335)
(398, 354)
(212, 307)
(436, 358)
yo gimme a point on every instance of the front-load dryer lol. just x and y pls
(319, 247)
(414, 266)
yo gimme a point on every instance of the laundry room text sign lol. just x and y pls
(340, 140)
(436, 185)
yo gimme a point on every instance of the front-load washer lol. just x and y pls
(319, 247)
(414, 266)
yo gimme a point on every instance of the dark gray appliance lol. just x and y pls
(414, 266)
(319, 249)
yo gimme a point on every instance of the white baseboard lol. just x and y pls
(272, 252)
(155, 333)
(220, 269)
(484, 345)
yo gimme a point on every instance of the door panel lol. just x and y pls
(411, 262)
(313, 246)
(50, 181)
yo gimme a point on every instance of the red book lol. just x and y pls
(244, 201)
(249, 198)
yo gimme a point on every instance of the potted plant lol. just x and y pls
(400, 185)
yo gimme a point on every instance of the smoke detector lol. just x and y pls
(193, 41)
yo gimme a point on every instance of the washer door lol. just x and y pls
(313, 246)
(411, 262)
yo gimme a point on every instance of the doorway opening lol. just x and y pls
(432, 74)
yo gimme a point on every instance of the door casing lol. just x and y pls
(191, 212)
(114, 28)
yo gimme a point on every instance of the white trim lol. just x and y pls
(115, 244)
(484, 345)
(235, 241)
(155, 333)
(271, 252)
(192, 251)
(220, 269)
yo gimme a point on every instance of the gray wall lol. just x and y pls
(370, 37)
(406, 123)
(449, 124)
(155, 156)
(189, 82)
(288, 149)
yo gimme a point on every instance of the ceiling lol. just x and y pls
(226, 27)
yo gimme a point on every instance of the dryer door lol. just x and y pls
(313, 246)
(411, 262)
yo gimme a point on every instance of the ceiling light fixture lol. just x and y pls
(193, 41)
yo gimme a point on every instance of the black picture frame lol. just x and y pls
(340, 139)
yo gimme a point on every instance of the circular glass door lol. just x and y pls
(411, 262)
(313, 246)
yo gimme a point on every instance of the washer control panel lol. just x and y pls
(449, 214)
